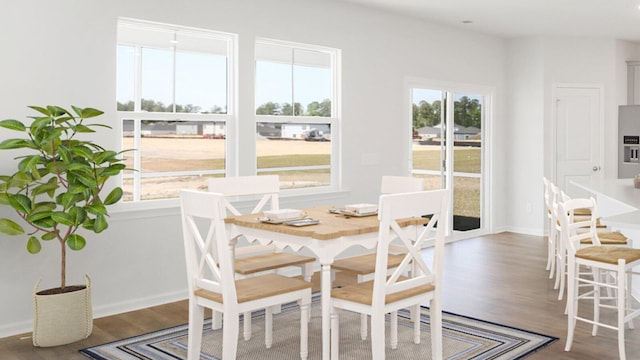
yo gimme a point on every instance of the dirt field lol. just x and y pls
(178, 154)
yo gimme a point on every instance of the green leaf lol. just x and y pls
(12, 124)
(104, 156)
(20, 179)
(16, 144)
(44, 188)
(76, 242)
(64, 154)
(89, 224)
(46, 223)
(39, 216)
(41, 110)
(28, 163)
(97, 208)
(79, 214)
(114, 196)
(82, 151)
(10, 227)
(4, 199)
(100, 224)
(39, 125)
(48, 236)
(20, 203)
(62, 217)
(112, 170)
(88, 181)
(79, 166)
(90, 112)
(67, 200)
(57, 110)
(33, 245)
(44, 206)
(82, 129)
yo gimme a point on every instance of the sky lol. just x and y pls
(273, 80)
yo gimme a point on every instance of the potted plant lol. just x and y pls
(57, 192)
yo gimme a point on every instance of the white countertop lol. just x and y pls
(621, 190)
(618, 201)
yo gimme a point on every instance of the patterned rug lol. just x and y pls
(464, 338)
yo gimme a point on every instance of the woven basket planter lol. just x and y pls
(64, 318)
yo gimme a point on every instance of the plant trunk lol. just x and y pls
(63, 265)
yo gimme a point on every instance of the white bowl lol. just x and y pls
(282, 214)
(362, 208)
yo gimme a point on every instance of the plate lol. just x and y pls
(302, 222)
(357, 214)
(266, 220)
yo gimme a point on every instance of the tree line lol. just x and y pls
(159, 106)
(315, 108)
(467, 112)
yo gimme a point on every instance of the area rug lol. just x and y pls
(464, 338)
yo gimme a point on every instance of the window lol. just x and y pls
(173, 98)
(296, 113)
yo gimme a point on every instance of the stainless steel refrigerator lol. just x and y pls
(628, 141)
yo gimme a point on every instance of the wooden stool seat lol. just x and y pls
(365, 264)
(259, 263)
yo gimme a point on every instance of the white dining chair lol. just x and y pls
(258, 193)
(552, 228)
(363, 266)
(602, 261)
(212, 283)
(412, 283)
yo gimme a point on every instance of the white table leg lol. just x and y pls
(325, 291)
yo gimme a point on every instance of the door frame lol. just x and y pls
(554, 124)
(486, 172)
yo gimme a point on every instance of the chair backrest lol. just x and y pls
(394, 207)
(400, 184)
(205, 237)
(263, 188)
(576, 229)
(548, 195)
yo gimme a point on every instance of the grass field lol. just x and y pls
(192, 154)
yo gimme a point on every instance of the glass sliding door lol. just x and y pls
(467, 161)
(447, 149)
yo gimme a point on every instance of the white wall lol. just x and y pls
(534, 66)
(63, 52)
(522, 177)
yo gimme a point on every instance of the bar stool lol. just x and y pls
(601, 260)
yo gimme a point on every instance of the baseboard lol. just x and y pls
(26, 327)
(520, 230)
(137, 304)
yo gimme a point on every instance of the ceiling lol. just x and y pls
(619, 19)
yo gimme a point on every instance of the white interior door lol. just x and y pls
(578, 126)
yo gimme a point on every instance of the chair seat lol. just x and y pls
(365, 264)
(259, 287)
(259, 263)
(582, 212)
(599, 225)
(608, 238)
(362, 292)
(609, 254)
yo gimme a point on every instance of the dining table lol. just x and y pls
(333, 234)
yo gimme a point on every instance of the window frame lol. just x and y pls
(138, 115)
(333, 121)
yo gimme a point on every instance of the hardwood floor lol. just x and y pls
(499, 278)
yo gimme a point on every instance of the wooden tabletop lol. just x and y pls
(331, 226)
